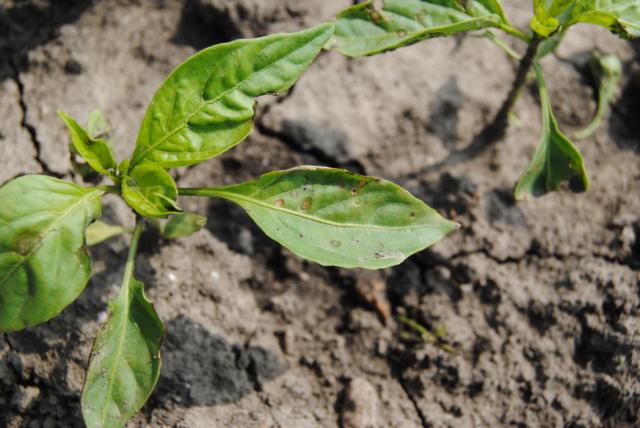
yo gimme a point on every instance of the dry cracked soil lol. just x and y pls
(535, 304)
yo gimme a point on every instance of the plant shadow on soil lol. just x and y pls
(28, 25)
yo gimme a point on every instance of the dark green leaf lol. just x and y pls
(125, 358)
(96, 152)
(43, 262)
(150, 191)
(100, 231)
(556, 159)
(338, 218)
(606, 71)
(206, 105)
(363, 30)
(182, 225)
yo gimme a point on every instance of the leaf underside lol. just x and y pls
(363, 30)
(206, 105)
(100, 231)
(338, 218)
(184, 224)
(556, 159)
(43, 261)
(125, 360)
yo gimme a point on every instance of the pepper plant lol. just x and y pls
(203, 108)
(365, 29)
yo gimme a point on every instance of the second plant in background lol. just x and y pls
(365, 29)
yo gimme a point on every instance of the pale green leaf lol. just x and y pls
(620, 16)
(337, 218)
(556, 159)
(125, 358)
(182, 225)
(363, 30)
(100, 231)
(43, 262)
(206, 105)
(96, 152)
(606, 70)
(150, 191)
(97, 126)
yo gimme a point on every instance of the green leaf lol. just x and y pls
(182, 225)
(622, 17)
(97, 126)
(606, 70)
(43, 262)
(363, 30)
(206, 105)
(125, 358)
(556, 159)
(100, 231)
(337, 218)
(96, 152)
(150, 191)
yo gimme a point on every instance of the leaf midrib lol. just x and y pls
(410, 34)
(57, 222)
(235, 197)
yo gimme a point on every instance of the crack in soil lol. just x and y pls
(396, 373)
(33, 133)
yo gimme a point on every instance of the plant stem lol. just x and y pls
(524, 67)
(131, 257)
(199, 191)
(515, 33)
(111, 189)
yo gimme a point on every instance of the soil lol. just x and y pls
(535, 304)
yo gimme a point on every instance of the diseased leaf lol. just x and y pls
(556, 159)
(125, 358)
(182, 225)
(622, 17)
(100, 231)
(363, 30)
(606, 71)
(150, 191)
(43, 262)
(337, 218)
(96, 152)
(206, 105)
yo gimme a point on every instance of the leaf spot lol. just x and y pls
(279, 203)
(306, 204)
(336, 243)
(354, 191)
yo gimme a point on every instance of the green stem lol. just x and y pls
(502, 45)
(200, 191)
(515, 32)
(521, 78)
(110, 189)
(131, 257)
